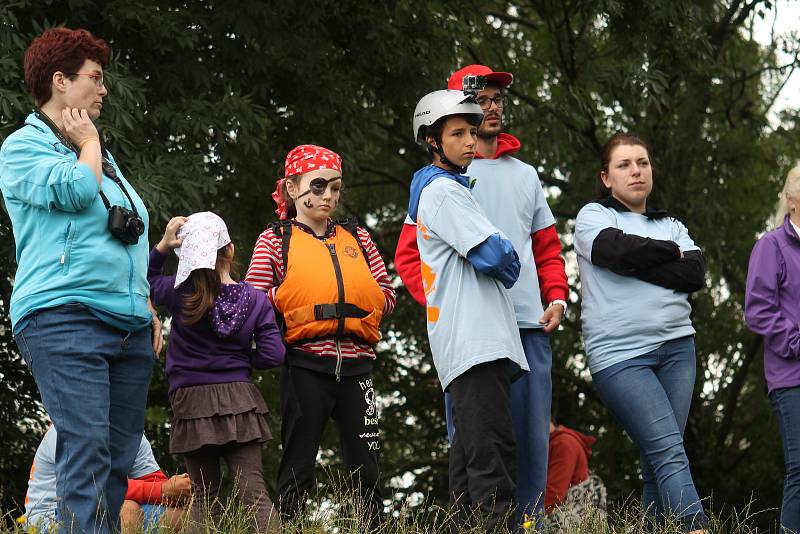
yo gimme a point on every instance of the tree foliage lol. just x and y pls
(206, 97)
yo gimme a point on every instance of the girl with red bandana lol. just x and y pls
(330, 285)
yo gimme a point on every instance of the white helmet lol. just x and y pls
(444, 103)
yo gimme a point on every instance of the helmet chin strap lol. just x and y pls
(439, 150)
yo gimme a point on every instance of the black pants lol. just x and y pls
(483, 461)
(308, 400)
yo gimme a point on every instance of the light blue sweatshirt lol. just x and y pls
(64, 251)
(622, 316)
(495, 256)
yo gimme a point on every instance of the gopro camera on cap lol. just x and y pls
(472, 84)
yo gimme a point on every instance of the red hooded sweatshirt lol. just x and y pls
(545, 243)
(567, 465)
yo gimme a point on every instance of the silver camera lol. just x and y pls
(473, 84)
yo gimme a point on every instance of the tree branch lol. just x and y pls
(553, 181)
(390, 177)
(733, 391)
(730, 20)
(514, 20)
(579, 383)
(793, 68)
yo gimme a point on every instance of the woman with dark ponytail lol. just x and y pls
(638, 266)
(218, 413)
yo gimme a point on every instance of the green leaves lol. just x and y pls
(205, 99)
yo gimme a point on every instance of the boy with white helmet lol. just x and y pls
(465, 263)
(511, 195)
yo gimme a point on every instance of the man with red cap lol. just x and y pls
(511, 195)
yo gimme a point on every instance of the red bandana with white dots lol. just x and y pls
(300, 160)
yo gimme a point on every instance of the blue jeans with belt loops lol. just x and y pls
(786, 404)
(93, 380)
(650, 395)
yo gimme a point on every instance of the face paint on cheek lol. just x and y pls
(307, 203)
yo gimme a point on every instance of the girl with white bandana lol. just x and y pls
(221, 330)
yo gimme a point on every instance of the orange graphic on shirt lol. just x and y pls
(429, 285)
(428, 276)
(422, 229)
(30, 477)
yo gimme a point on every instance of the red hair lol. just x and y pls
(59, 49)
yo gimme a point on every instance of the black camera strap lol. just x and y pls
(107, 168)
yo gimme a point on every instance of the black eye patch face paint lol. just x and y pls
(318, 186)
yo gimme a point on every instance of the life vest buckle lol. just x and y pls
(338, 311)
(326, 311)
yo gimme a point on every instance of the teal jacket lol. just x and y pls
(65, 253)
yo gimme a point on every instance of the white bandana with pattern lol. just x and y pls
(203, 235)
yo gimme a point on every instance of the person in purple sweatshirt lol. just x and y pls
(772, 309)
(220, 330)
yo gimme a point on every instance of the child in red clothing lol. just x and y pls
(570, 484)
(152, 499)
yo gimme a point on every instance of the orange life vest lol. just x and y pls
(328, 288)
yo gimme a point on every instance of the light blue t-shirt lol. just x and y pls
(40, 501)
(511, 195)
(624, 317)
(470, 316)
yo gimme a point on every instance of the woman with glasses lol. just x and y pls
(79, 309)
(330, 285)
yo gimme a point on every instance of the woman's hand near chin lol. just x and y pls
(78, 126)
(81, 130)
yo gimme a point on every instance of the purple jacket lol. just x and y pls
(772, 304)
(217, 348)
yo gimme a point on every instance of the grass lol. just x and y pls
(346, 517)
(345, 514)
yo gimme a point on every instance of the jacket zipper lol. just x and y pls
(131, 298)
(338, 361)
(64, 261)
(340, 329)
(130, 279)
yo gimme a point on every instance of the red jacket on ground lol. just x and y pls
(567, 465)
(545, 242)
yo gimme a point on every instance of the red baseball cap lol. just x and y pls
(503, 79)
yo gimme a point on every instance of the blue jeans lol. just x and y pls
(152, 514)
(786, 403)
(650, 396)
(531, 397)
(93, 380)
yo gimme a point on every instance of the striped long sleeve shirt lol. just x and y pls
(266, 272)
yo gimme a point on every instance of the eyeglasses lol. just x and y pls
(98, 78)
(485, 102)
